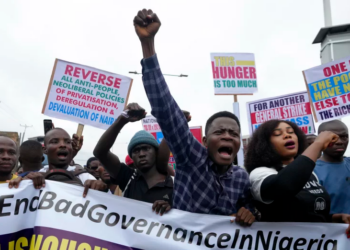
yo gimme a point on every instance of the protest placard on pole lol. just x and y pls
(293, 107)
(234, 73)
(329, 89)
(86, 95)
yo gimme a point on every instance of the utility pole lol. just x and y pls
(25, 128)
(327, 13)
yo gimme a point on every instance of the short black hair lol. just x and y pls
(51, 131)
(91, 159)
(260, 151)
(324, 126)
(31, 151)
(218, 115)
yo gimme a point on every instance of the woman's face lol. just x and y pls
(285, 141)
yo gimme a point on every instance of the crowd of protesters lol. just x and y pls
(287, 176)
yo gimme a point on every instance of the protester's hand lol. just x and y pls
(244, 217)
(95, 185)
(187, 115)
(15, 182)
(146, 24)
(161, 207)
(342, 218)
(77, 143)
(135, 112)
(326, 139)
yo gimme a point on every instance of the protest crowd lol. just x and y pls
(287, 176)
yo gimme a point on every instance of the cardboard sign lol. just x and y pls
(150, 124)
(86, 95)
(293, 107)
(234, 73)
(329, 89)
(197, 133)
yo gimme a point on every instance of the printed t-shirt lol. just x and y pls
(311, 204)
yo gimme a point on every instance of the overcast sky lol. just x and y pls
(101, 34)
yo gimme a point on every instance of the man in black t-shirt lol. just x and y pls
(146, 182)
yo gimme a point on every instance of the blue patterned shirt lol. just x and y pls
(197, 188)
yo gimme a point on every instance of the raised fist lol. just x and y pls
(146, 24)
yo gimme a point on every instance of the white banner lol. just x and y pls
(86, 95)
(150, 124)
(59, 218)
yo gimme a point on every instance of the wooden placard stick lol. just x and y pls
(80, 131)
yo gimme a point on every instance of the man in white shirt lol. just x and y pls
(59, 151)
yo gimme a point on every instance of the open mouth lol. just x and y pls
(225, 151)
(62, 154)
(290, 144)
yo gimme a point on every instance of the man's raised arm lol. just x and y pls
(102, 150)
(169, 116)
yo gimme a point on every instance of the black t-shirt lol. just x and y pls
(137, 188)
(310, 204)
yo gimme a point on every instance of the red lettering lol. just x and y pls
(69, 70)
(101, 79)
(318, 105)
(109, 81)
(327, 71)
(117, 83)
(223, 72)
(86, 75)
(252, 73)
(93, 76)
(245, 72)
(76, 72)
(231, 72)
(239, 72)
(69, 93)
(343, 98)
(335, 69)
(328, 103)
(215, 71)
(58, 98)
(343, 67)
(304, 129)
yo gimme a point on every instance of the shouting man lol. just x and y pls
(206, 180)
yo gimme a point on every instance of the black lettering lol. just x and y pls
(161, 231)
(334, 244)
(3, 204)
(153, 224)
(235, 239)
(243, 239)
(275, 241)
(66, 207)
(125, 226)
(83, 209)
(223, 238)
(320, 243)
(298, 243)
(100, 215)
(18, 204)
(183, 236)
(199, 237)
(311, 243)
(260, 238)
(206, 241)
(117, 217)
(35, 198)
(139, 223)
(48, 200)
(289, 244)
(302, 98)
